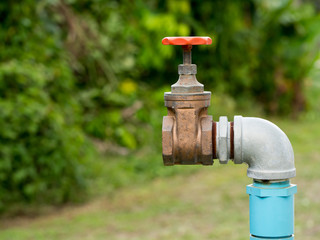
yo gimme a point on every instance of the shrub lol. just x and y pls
(41, 148)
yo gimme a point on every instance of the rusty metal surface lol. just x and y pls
(187, 56)
(189, 69)
(187, 82)
(167, 140)
(206, 141)
(187, 130)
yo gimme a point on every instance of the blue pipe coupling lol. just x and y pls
(271, 210)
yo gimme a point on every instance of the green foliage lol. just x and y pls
(42, 148)
(263, 51)
(78, 73)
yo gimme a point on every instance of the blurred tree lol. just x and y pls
(76, 68)
(42, 148)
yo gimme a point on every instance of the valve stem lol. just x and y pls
(187, 82)
(187, 54)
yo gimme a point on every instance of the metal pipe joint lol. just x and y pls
(257, 142)
(191, 137)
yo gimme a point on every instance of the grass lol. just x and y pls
(207, 203)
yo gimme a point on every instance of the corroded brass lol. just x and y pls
(187, 130)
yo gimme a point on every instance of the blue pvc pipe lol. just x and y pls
(271, 210)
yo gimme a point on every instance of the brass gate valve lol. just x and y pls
(187, 130)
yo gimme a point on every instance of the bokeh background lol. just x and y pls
(81, 106)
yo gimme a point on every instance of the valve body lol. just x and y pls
(187, 130)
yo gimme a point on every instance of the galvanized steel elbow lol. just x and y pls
(259, 143)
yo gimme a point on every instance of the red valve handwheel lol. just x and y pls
(186, 41)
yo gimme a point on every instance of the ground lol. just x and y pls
(210, 203)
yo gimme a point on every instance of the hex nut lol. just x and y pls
(187, 69)
(206, 140)
(223, 140)
(167, 140)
